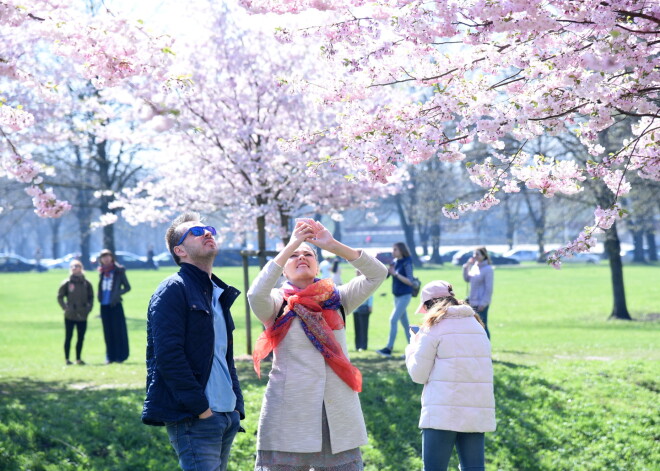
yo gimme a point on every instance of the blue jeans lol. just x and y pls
(399, 314)
(437, 446)
(204, 444)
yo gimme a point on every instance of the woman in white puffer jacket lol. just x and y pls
(450, 356)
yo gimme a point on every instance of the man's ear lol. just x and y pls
(180, 251)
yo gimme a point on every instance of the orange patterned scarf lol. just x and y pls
(316, 307)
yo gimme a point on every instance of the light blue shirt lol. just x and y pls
(219, 390)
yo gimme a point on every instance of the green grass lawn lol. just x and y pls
(574, 391)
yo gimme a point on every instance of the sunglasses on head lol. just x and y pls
(196, 231)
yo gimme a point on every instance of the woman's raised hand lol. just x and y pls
(322, 238)
(302, 233)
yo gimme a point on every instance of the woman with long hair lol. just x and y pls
(478, 271)
(311, 416)
(113, 284)
(450, 355)
(401, 272)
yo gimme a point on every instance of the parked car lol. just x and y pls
(502, 260)
(444, 257)
(130, 260)
(462, 256)
(628, 256)
(164, 259)
(447, 256)
(16, 263)
(232, 258)
(133, 261)
(61, 262)
(522, 255)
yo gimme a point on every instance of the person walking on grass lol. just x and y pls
(451, 356)
(113, 284)
(76, 297)
(192, 385)
(401, 272)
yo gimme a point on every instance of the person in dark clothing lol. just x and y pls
(401, 272)
(150, 257)
(192, 385)
(112, 285)
(361, 321)
(76, 298)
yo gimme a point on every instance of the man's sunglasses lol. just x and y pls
(196, 231)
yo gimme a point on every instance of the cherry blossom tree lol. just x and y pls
(44, 44)
(230, 148)
(517, 68)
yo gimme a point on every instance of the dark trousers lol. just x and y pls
(437, 446)
(114, 333)
(361, 330)
(81, 328)
(484, 318)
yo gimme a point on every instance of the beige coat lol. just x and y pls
(300, 381)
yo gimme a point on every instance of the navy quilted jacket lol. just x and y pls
(180, 340)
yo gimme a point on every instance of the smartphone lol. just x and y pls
(414, 329)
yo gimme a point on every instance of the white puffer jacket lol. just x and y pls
(452, 360)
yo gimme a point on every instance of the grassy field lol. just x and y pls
(574, 391)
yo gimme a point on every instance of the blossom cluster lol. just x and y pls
(46, 203)
(14, 118)
(586, 240)
(419, 80)
(231, 144)
(105, 49)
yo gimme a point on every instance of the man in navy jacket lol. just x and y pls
(192, 386)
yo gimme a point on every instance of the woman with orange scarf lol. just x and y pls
(311, 415)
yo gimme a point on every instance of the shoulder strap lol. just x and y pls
(281, 311)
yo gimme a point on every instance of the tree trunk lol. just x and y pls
(424, 242)
(651, 246)
(435, 244)
(638, 244)
(106, 186)
(424, 235)
(613, 249)
(84, 220)
(319, 252)
(261, 240)
(55, 224)
(408, 231)
(510, 223)
(109, 237)
(336, 233)
(284, 227)
(540, 241)
(538, 219)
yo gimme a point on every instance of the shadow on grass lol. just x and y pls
(51, 426)
(48, 426)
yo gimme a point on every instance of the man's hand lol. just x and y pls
(206, 414)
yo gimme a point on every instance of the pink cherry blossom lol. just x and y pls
(414, 80)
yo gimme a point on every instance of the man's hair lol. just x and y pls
(173, 235)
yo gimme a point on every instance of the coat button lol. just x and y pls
(194, 306)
